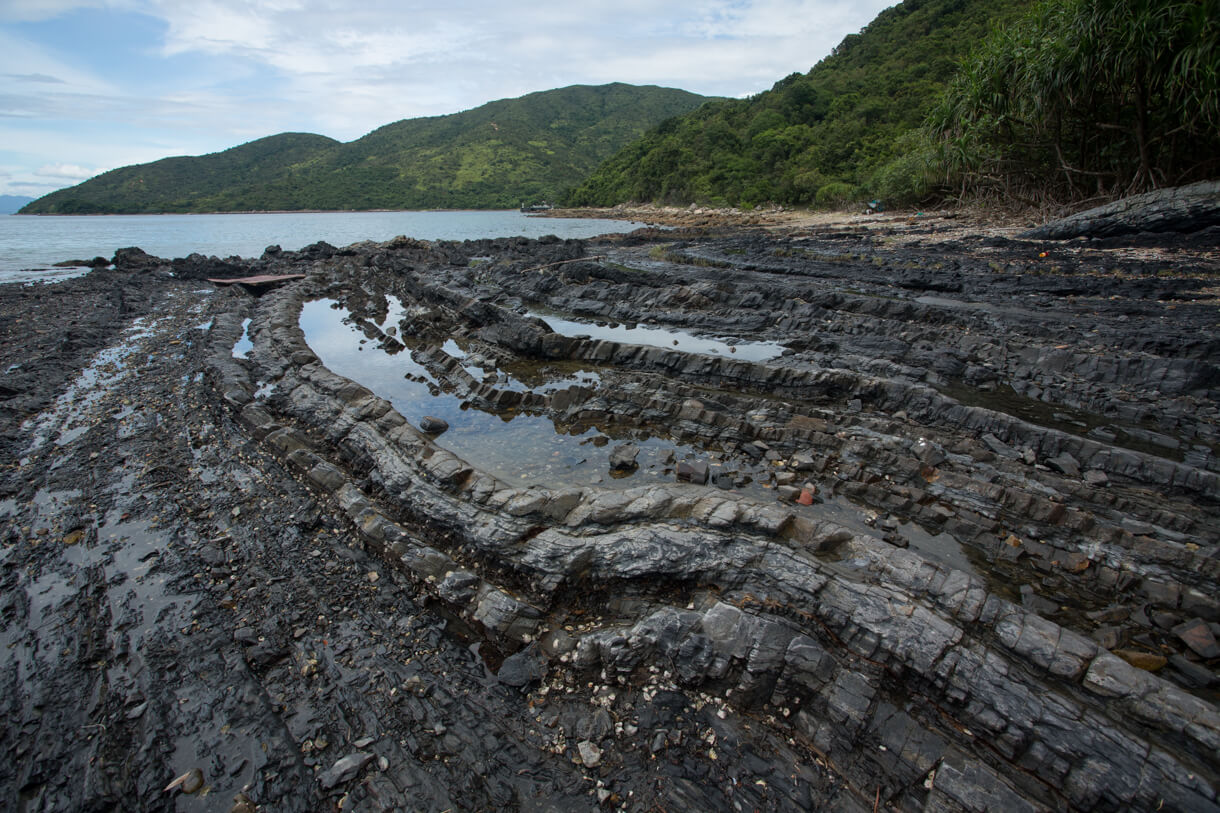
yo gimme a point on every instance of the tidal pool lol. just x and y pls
(520, 447)
(668, 338)
(517, 447)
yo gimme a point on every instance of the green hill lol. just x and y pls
(845, 128)
(494, 156)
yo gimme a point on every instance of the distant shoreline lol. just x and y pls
(252, 212)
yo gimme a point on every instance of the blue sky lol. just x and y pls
(90, 85)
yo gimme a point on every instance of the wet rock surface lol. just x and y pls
(954, 549)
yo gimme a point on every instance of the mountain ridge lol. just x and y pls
(493, 156)
(844, 128)
(10, 204)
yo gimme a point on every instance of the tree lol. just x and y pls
(1087, 98)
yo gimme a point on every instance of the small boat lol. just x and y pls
(530, 208)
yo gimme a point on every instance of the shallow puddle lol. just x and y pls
(243, 346)
(1067, 419)
(667, 338)
(68, 414)
(517, 447)
(942, 548)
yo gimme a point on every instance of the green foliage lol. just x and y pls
(835, 194)
(846, 121)
(911, 174)
(1084, 98)
(492, 157)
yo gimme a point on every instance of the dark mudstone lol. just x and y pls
(433, 425)
(135, 259)
(1180, 209)
(693, 471)
(523, 668)
(1198, 636)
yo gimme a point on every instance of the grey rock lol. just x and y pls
(1096, 478)
(344, 769)
(802, 461)
(590, 754)
(1000, 447)
(1065, 464)
(623, 457)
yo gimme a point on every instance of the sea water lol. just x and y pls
(30, 245)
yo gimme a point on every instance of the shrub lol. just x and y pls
(835, 194)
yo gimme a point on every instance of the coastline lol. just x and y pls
(981, 474)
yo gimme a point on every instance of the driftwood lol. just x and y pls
(1181, 209)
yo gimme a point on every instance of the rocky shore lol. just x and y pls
(928, 521)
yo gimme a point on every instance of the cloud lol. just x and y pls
(41, 78)
(70, 172)
(319, 48)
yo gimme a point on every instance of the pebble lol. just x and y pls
(590, 754)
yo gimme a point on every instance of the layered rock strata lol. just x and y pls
(1065, 442)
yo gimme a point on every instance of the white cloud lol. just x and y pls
(68, 171)
(320, 48)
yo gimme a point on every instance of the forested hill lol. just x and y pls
(819, 137)
(494, 156)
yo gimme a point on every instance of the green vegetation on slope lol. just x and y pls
(1087, 98)
(494, 156)
(848, 127)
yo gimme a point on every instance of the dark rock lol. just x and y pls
(433, 425)
(1138, 527)
(693, 471)
(1197, 675)
(523, 668)
(1198, 636)
(135, 259)
(1109, 637)
(1179, 209)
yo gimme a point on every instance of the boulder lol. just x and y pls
(1180, 209)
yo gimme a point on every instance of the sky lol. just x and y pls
(91, 85)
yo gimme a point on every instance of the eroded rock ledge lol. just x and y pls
(981, 687)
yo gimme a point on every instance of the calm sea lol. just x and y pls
(30, 245)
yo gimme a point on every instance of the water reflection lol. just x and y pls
(668, 338)
(516, 447)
